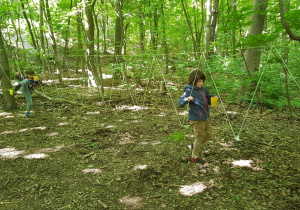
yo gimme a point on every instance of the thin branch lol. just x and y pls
(285, 24)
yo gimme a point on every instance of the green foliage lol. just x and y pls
(176, 136)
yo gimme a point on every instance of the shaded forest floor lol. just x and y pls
(120, 154)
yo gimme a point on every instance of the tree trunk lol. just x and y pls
(285, 24)
(154, 30)
(141, 30)
(34, 43)
(54, 46)
(9, 100)
(119, 29)
(66, 48)
(80, 60)
(191, 30)
(285, 57)
(252, 54)
(42, 34)
(99, 69)
(211, 25)
(164, 39)
(90, 29)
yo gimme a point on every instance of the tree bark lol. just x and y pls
(42, 34)
(54, 45)
(285, 24)
(252, 54)
(191, 30)
(90, 29)
(119, 29)
(211, 25)
(141, 30)
(9, 100)
(34, 43)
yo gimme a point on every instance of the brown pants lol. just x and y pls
(203, 133)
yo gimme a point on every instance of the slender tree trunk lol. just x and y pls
(9, 100)
(164, 39)
(42, 33)
(67, 38)
(90, 30)
(99, 69)
(285, 57)
(154, 30)
(34, 43)
(285, 24)
(191, 30)
(54, 45)
(103, 22)
(80, 60)
(119, 29)
(211, 24)
(141, 29)
(252, 55)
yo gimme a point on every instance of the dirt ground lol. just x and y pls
(129, 150)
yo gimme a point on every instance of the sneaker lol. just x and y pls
(191, 146)
(198, 160)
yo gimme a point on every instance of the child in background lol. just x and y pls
(27, 85)
(198, 98)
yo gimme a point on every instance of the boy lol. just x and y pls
(27, 86)
(198, 98)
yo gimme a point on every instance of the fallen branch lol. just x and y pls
(57, 99)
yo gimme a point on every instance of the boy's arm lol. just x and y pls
(182, 100)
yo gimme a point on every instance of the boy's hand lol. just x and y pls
(190, 98)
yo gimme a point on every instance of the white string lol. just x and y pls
(287, 68)
(162, 73)
(227, 118)
(263, 71)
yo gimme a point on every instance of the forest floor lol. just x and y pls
(119, 154)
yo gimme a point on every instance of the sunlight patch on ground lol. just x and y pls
(183, 113)
(246, 163)
(132, 108)
(125, 139)
(162, 115)
(6, 115)
(193, 189)
(27, 129)
(7, 132)
(52, 134)
(231, 112)
(93, 113)
(110, 126)
(36, 156)
(154, 143)
(242, 163)
(227, 146)
(55, 149)
(140, 167)
(9, 153)
(91, 171)
(136, 121)
(132, 202)
(63, 123)
(39, 128)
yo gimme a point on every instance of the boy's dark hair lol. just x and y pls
(29, 72)
(195, 76)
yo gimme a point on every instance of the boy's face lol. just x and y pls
(30, 76)
(200, 83)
